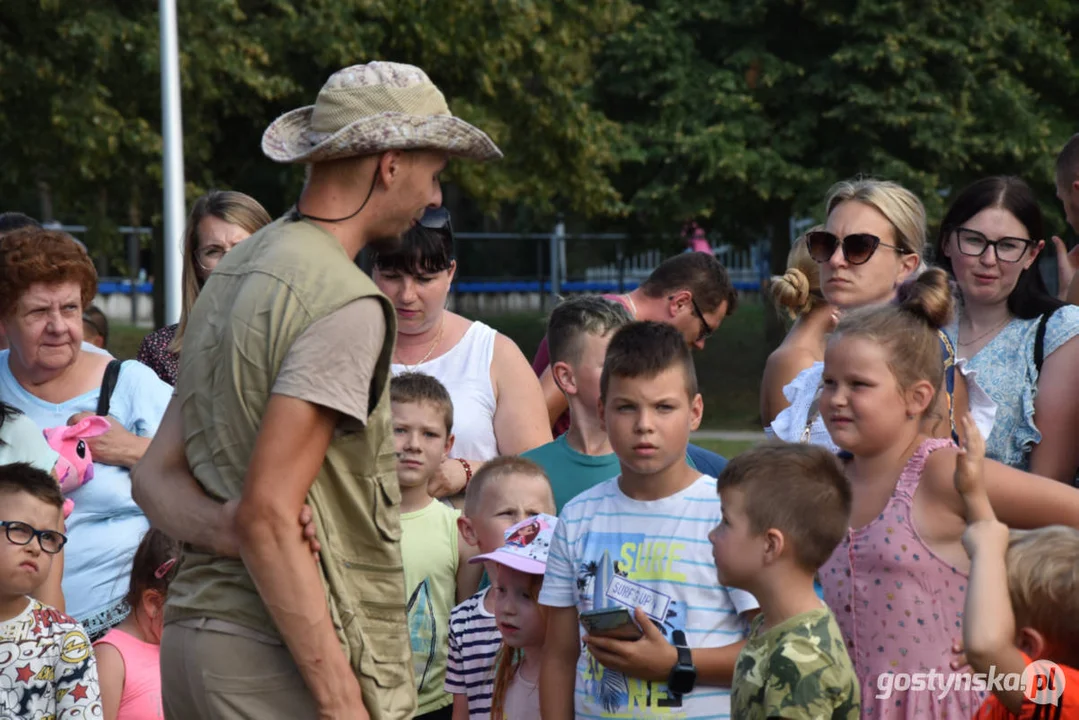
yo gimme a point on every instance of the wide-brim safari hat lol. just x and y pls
(369, 109)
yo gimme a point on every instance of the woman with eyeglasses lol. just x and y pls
(219, 220)
(872, 242)
(1020, 340)
(46, 280)
(498, 406)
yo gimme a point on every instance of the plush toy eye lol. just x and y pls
(80, 449)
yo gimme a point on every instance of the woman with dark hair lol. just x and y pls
(1018, 338)
(219, 220)
(498, 406)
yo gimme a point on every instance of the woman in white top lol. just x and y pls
(498, 406)
(872, 242)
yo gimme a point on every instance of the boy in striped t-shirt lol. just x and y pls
(640, 541)
(503, 492)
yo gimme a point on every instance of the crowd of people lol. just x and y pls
(323, 494)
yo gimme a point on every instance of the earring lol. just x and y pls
(910, 416)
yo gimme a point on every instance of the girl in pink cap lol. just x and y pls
(520, 618)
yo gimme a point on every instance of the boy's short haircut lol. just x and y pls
(415, 387)
(494, 471)
(798, 489)
(587, 314)
(1043, 581)
(1067, 168)
(701, 274)
(644, 350)
(24, 477)
(98, 321)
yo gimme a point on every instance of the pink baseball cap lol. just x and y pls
(527, 545)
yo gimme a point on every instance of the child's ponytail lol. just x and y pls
(928, 297)
(156, 561)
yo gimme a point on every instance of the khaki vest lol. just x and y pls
(270, 289)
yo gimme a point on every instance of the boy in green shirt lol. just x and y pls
(785, 509)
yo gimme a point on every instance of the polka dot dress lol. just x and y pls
(900, 608)
(154, 353)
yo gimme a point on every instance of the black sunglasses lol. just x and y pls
(437, 219)
(857, 248)
(19, 533)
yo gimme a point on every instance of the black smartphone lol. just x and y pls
(617, 623)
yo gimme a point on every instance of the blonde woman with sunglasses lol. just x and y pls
(872, 242)
(219, 220)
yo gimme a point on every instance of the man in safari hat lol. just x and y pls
(283, 399)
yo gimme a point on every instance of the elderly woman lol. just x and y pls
(46, 280)
(219, 220)
(497, 401)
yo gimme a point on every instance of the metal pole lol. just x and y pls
(556, 255)
(173, 137)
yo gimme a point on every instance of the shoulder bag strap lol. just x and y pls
(108, 384)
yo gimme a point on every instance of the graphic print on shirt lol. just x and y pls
(614, 572)
(422, 632)
(46, 667)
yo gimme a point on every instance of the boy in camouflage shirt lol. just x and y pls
(785, 509)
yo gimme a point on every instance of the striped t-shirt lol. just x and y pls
(474, 643)
(610, 550)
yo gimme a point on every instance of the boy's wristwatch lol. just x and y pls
(683, 675)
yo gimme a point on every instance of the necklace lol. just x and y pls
(632, 305)
(988, 332)
(430, 350)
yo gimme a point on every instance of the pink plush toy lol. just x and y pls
(75, 467)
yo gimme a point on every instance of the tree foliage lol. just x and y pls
(80, 94)
(743, 111)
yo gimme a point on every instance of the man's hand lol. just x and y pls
(650, 658)
(117, 446)
(1067, 264)
(307, 521)
(450, 480)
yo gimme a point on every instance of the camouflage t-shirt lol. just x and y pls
(798, 669)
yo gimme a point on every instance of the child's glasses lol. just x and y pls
(19, 533)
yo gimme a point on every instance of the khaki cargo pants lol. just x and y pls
(213, 670)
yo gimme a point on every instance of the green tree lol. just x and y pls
(745, 111)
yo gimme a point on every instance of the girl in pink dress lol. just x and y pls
(897, 582)
(129, 656)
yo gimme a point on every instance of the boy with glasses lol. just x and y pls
(50, 671)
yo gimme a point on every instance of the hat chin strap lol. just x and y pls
(301, 215)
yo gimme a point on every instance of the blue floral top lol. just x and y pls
(1005, 369)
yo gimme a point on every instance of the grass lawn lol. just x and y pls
(726, 448)
(728, 369)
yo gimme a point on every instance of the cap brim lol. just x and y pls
(286, 140)
(525, 565)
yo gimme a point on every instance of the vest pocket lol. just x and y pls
(383, 660)
(387, 507)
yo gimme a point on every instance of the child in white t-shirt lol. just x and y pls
(640, 541)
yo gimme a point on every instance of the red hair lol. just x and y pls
(509, 659)
(35, 255)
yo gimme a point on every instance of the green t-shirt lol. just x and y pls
(571, 472)
(429, 554)
(798, 669)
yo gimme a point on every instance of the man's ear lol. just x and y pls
(390, 165)
(678, 300)
(563, 377)
(464, 526)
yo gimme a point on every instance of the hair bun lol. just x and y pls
(929, 297)
(791, 290)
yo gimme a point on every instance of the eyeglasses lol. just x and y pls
(857, 248)
(19, 533)
(209, 257)
(1007, 249)
(706, 329)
